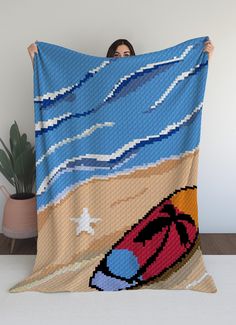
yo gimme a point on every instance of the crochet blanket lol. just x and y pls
(117, 149)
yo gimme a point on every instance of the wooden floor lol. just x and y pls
(211, 244)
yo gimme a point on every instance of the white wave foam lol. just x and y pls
(84, 134)
(53, 95)
(70, 188)
(107, 157)
(148, 66)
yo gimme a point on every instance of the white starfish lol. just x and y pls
(83, 223)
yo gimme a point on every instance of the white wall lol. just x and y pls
(90, 27)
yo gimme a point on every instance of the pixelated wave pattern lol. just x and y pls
(117, 143)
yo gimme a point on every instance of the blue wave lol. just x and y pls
(172, 80)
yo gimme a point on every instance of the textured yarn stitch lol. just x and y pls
(117, 149)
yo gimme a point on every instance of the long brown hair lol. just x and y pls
(112, 49)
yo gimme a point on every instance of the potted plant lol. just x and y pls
(17, 165)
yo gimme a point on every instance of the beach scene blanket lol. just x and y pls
(117, 150)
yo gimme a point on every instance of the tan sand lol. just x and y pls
(119, 202)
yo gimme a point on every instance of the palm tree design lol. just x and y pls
(157, 225)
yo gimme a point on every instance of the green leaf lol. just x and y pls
(15, 140)
(7, 150)
(6, 166)
(8, 177)
(19, 168)
(24, 164)
(24, 138)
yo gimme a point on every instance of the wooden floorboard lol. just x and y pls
(211, 244)
(218, 244)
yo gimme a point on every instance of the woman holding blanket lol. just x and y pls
(119, 48)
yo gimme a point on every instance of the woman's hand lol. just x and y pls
(32, 49)
(209, 48)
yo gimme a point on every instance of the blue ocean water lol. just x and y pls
(98, 116)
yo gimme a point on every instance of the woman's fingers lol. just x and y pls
(36, 48)
(32, 49)
(208, 46)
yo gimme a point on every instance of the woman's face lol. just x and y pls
(122, 50)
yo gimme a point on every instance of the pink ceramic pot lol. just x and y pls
(19, 216)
